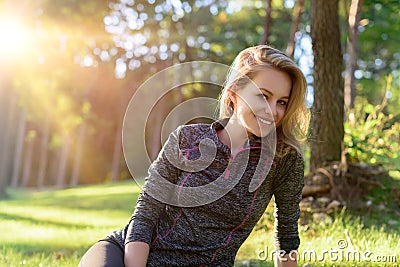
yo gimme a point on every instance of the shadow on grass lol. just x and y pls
(109, 201)
(5, 216)
(15, 254)
(69, 255)
(48, 249)
(124, 202)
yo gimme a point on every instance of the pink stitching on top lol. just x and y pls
(234, 229)
(187, 154)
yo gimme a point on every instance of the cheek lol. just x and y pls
(242, 106)
(281, 112)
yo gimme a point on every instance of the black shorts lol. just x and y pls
(105, 253)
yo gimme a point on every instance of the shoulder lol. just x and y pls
(193, 133)
(199, 128)
(290, 168)
(284, 150)
(288, 157)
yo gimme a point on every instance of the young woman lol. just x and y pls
(262, 116)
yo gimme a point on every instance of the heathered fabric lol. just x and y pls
(211, 234)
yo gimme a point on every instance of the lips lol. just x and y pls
(265, 121)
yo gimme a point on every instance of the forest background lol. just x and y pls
(69, 68)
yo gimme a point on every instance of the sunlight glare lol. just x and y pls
(13, 35)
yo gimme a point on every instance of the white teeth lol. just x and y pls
(265, 121)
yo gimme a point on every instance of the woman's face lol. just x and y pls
(261, 105)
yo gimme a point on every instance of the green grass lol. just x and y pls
(372, 233)
(344, 242)
(55, 228)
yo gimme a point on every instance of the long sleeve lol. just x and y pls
(148, 209)
(288, 193)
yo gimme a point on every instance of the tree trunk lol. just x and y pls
(177, 119)
(43, 153)
(7, 106)
(352, 52)
(62, 167)
(156, 127)
(124, 102)
(328, 107)
(156, 119)
(78, 157)
(26, 173)
(117, 154)
(19, 149)
(267, 22)
(298, 10)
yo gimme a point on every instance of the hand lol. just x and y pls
(287, 260)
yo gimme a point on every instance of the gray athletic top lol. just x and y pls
(211, 234)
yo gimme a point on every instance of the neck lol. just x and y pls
(234, 135)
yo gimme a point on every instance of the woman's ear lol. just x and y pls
(232, 96)
(232, 100)
(232, 93)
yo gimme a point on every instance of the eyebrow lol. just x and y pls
(269, 92)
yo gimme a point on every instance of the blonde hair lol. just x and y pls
(294, 124)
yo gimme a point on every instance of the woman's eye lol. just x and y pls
(263, 96)
(282, 102)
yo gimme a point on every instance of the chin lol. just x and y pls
(261, 134)
(264, 134)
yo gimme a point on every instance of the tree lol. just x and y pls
(378, 55)
(7, 124)
(352, 53)
(328, 109)
(17, 161)
(267, 22)
(298, 11)
(46, 74)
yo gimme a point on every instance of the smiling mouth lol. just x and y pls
(263, 121)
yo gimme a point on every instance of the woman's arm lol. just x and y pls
(136, 254)
(148, 209)
(288, 193)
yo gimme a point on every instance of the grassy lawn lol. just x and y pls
(54, 228)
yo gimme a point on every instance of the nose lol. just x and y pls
(271, 109)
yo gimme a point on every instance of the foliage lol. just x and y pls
(378, 51)
(166, 32)
(72, 49)
(372, 135)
